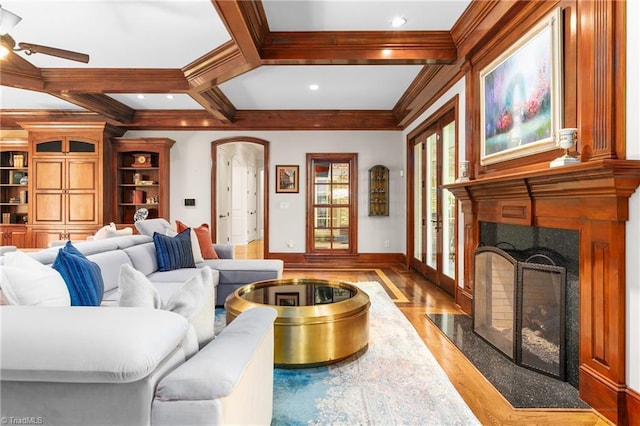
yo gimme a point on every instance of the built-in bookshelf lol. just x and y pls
(141, 177)
(14, 175)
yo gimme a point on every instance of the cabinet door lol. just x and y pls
(18, 238)
(53, 146)
(82, 193)
(48, 174)
(14, 236)
(45, 145)
(48, 207)
(48, 196)
(43, 237)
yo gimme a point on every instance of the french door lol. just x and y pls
(434, 208)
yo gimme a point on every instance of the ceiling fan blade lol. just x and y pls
(30, 49)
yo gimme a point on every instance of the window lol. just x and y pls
(331, 203)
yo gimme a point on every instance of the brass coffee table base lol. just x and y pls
(310, 335)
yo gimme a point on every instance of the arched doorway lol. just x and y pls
(239, 190)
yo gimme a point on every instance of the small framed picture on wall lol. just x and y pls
(287, 178)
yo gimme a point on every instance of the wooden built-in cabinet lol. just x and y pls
(140, 177)
(14, 171)
(66, 180)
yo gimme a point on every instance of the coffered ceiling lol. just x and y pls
(171, 64)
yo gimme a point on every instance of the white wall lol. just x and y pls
(633, 225)
(191, 178)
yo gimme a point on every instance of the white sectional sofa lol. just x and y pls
(112, 365)
(234, 273)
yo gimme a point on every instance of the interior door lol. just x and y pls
(223, 194)
(434, 210)
(238, 202)
(252, 203)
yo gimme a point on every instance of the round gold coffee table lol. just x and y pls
(318, 321)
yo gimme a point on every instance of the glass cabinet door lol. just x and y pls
(379, 191)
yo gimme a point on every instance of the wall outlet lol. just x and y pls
(387, 243)
(189, 201)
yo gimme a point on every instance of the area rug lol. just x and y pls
(397, 381)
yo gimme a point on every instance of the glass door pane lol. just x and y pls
(418, 217)
(432, 202)
(448, 213)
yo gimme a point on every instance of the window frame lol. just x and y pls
(352, 229)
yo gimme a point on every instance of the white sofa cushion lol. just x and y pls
(107, 345)
(25, 281)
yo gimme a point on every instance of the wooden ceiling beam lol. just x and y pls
(216, 67)
(247, 24)
(101, 104)
(20, 73)
(265, 120)
(358, 47)
(9, 119)
(202, 120)
(218, 105)
(115, 80)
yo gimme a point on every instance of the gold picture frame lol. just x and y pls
(287, 179)
(521, 95)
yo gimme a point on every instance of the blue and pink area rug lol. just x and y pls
(397, 381)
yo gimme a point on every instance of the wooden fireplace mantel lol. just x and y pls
(592, 198)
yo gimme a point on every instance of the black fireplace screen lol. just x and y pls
(519, 306)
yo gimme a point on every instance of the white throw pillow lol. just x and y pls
(195, 248)
(102, 232)
(136, 290)
(187, 300)
(25, 281)
(113, 232)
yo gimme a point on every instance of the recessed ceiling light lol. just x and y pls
(398, 21)
(313, 87)
(140, 96)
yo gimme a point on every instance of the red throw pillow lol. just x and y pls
(204, 239)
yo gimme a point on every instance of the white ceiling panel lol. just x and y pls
(119, 33)
(156, 101)
(340, 87)
(26, 99)
(361, 15)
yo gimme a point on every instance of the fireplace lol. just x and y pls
(537, 268)
(589, 200)
(519, 306)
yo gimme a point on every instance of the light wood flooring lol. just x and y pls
(416, 296)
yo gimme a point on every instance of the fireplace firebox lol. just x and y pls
(519, 305)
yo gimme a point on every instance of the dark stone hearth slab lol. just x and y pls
(523, 388)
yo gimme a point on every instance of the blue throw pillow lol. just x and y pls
(174, 252)
(82, 276)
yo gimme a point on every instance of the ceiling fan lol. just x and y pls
(9, 20)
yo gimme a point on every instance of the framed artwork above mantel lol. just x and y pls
(521, 95)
